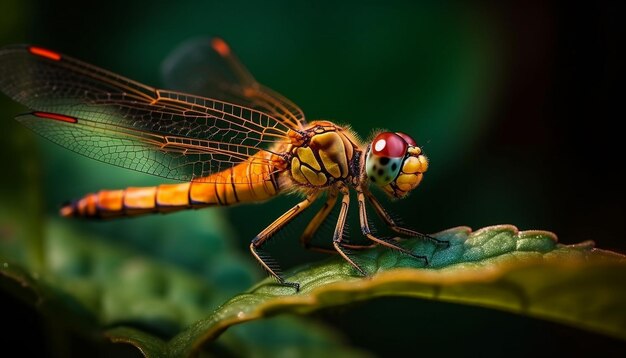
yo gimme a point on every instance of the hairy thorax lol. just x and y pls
(322, 155)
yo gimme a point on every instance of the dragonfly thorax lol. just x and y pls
(324, 157)
(395, 163)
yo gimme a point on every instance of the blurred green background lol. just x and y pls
(515, 106)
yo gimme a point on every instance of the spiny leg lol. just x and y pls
(365, 229)
(317, 221)
(382, 213)
(263, 236)
(341, 223)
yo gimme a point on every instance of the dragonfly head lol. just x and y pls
(395, 163)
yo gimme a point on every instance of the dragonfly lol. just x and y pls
(234, 141)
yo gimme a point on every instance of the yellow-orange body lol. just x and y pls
(239, 142)
(321, 157)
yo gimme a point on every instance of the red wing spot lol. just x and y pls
(44, 53)
(220, 47)
(55, 116)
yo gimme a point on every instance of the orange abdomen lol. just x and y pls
(251, 181)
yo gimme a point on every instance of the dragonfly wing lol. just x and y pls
(207, 66)
(116, 120)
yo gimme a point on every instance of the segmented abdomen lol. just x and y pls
(251, 181)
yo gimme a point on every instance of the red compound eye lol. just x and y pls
(390, 145)
(407, 138)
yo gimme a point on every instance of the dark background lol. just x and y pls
(516, 105)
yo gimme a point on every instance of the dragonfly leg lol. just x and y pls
(315, 223)
(365, 229)
(263, 236)
(382, 213)
(338, 235)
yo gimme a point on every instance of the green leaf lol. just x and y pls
(498, 267)
(147, 344)
(91, 285)
(275, 337)
(118, 285)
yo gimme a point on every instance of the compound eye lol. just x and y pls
(390, 145)
(407, 138)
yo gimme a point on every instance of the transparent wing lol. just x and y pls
(207, 66)
(122, 122)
